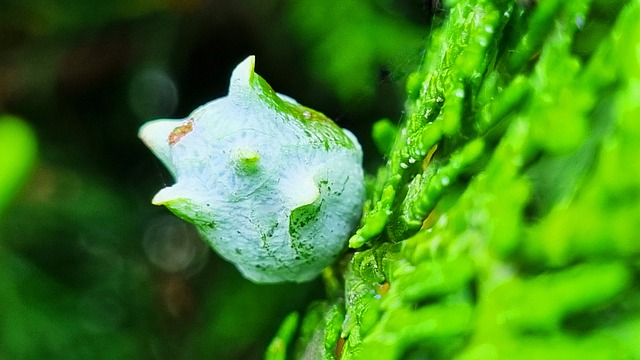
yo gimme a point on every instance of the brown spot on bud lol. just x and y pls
(180, 131)
(383, 288)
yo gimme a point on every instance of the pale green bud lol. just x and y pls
(273, 186)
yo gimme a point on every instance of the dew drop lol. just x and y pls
(445, 180)
(517, 161)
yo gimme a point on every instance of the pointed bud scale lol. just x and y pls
(274, 187)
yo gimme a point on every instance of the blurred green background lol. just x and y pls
(88, 267)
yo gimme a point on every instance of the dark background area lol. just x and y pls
(88, 267)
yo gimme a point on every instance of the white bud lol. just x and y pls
(273, 186)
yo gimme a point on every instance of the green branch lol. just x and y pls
(504, 222)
